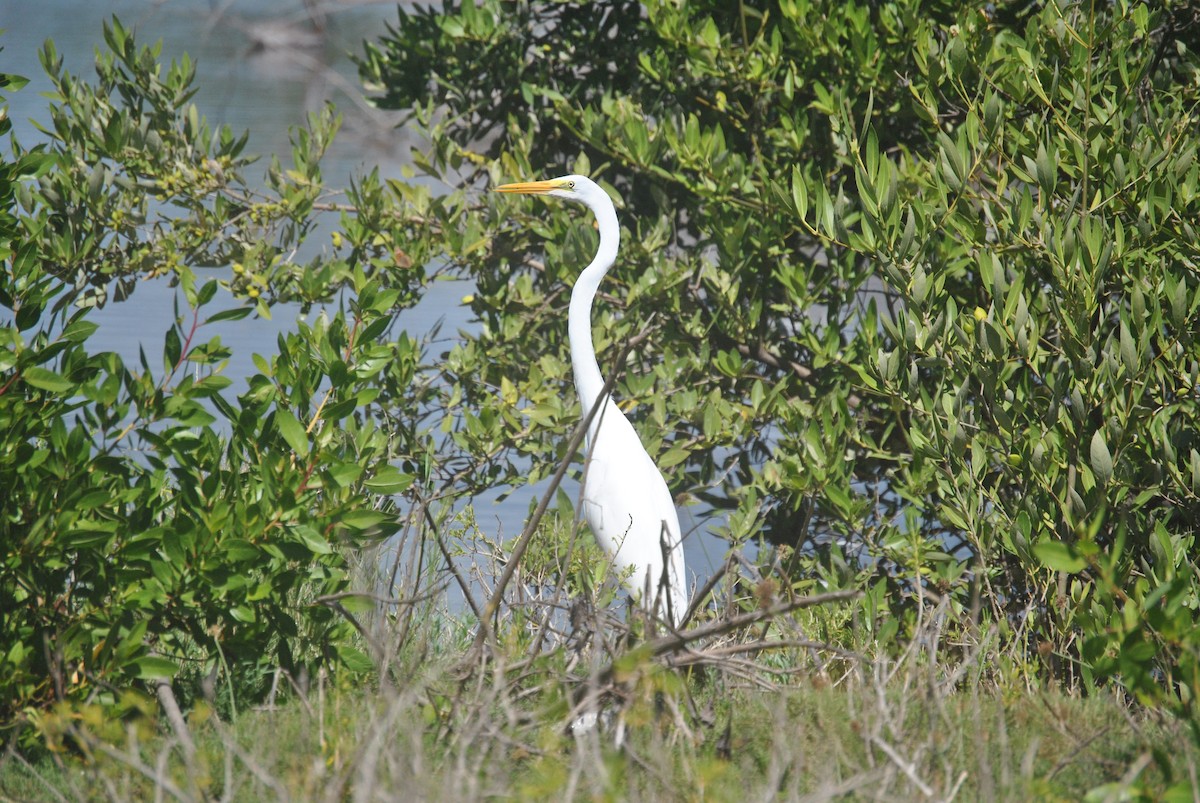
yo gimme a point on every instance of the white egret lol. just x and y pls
(625, 499)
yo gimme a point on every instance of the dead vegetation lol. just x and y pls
(570, 701)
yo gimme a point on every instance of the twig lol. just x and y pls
(333, 602)
(907, 767)
(1080, 746)
(264, 777)
(11, 753)
(327, 598)
(825, 793)
(159, 779)
(462, 583)
(340, 609)
(704, 590)
(762, 645)
(674, 641)
(962, 776)
(166, 698)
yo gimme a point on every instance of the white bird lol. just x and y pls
(625, 498)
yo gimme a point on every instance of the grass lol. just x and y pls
(815, 743)
(883, 731)
(756, 711)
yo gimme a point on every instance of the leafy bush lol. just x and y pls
(921, 280)
(154, 525)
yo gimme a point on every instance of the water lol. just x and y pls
(258, 69)
(263, 91)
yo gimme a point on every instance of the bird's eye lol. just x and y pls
(570, 185)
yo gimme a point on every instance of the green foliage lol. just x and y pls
(154, 524)
(1044, 351)
(919, 283)
(920, 279)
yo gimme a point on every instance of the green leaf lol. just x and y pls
(47, 380)
(358, 603)
(344, 474)
(1129, 354)
(79, 331)
(1058, 556)
(235, 314)
(292, 431)
(566, 505)
(150, 667)
(86, 538)
(389, 480)
(799, 193)
(1101, 459)
(244, 613)
(206, 293)
(13, 83)
(840, 499)
(353, 659)
(172, 349)
(362, 519)
(239, 550)
(313, 540)
(672, 457)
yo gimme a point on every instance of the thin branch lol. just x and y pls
(672, 642)
(133, 761)
(166, 698)
(12, 754)
(703, 592)
(428, 595)
(462, 583)
(762, 645)
(907, 767)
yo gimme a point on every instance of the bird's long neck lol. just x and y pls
(588, 381)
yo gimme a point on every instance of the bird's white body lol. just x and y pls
(632, 514)
(625, 498)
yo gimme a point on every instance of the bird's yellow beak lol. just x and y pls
(530, 187)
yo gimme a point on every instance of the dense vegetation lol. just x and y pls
(918, 283)
(925, 283)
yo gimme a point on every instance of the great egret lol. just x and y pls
(625, 499)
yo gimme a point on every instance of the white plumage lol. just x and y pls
(625, 498)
